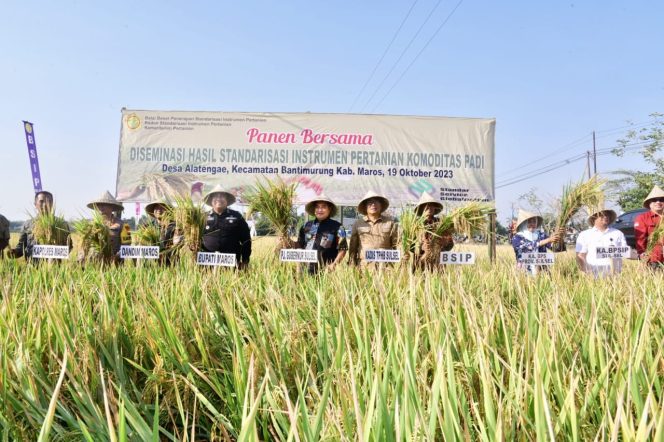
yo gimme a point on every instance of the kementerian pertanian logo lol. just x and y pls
(133, 121)
(28, 128)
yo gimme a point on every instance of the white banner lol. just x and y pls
(298, 255)
(540, 259)
(163, 153)
(613, 252)
(139, 252)
(382, 255)
(216, 259)
(50, 252)
(457, 258)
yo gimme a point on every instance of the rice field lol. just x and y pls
(479, 352)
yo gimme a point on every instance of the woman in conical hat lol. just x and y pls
(645, 226)
(110, 210)
(530, 238)
(374, 230)
(431, 245)
(160, 211)
(323, 234)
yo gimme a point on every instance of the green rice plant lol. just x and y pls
(189, 218)
(474, 353)
(50, 229)
(94, 237)
(274, 200)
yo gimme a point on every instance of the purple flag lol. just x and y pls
(32, 153)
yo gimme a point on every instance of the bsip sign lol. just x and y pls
(32, 155)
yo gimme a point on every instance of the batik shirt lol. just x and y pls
(522, 245)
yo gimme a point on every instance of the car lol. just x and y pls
(625, 223)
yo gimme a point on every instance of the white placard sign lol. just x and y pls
(216, 259)
(382, 255)
(298, 255)
(139, 252)
(457, 258)
(51, 252)
(539, 259)
(613, 252)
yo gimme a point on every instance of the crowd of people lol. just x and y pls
(227, 231)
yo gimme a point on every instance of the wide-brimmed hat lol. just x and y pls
(427, 199)
(362, 207)
(108, 199)
(524, 216)
(230, 198)
(656, 192)
(595, 212)
(310, 207)
(149, 209)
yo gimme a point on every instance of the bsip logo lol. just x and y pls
(133, 122)
(28, 128)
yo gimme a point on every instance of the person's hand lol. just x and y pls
(177, 239)
(331, 266)
(555, 237)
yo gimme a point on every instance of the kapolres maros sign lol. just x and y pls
(342, 155)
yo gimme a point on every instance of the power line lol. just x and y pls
(418, 55)
(563, 163)
(573, 144)
(394, 65)
(394, 37)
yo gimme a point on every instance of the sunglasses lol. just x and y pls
(657, 200)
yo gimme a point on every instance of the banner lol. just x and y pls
(163, 153)
(32, 154)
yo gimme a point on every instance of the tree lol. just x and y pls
(632, 186)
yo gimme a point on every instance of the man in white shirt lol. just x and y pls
(599, 235)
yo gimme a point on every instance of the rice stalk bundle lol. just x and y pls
(50, 229)
(189, 220)
(94, 237)
(655, 238)
(574, 197)
(274, 199)
(147, 235)
(466, 220)
(412, 230)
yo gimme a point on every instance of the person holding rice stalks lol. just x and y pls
(323, 234)
(530, 238)
(649, 230)
(374, 230)
(226, 231)
(432, 242)
(599, 235)
(101, 237)
(30, 232)
(161, 212)
(4, 235)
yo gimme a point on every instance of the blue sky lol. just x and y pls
(549, 72)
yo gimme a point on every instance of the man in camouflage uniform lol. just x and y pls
(43, 204)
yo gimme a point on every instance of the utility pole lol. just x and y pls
(594, 155)
(588, 162)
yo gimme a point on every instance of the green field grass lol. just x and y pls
(475, 353)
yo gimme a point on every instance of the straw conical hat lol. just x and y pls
(596, 211)
(425, 199)
(230, 198)
(362, 207)
(149, 209)
(310, 207)
(656, 192)
(524, 216)
(106, 198)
